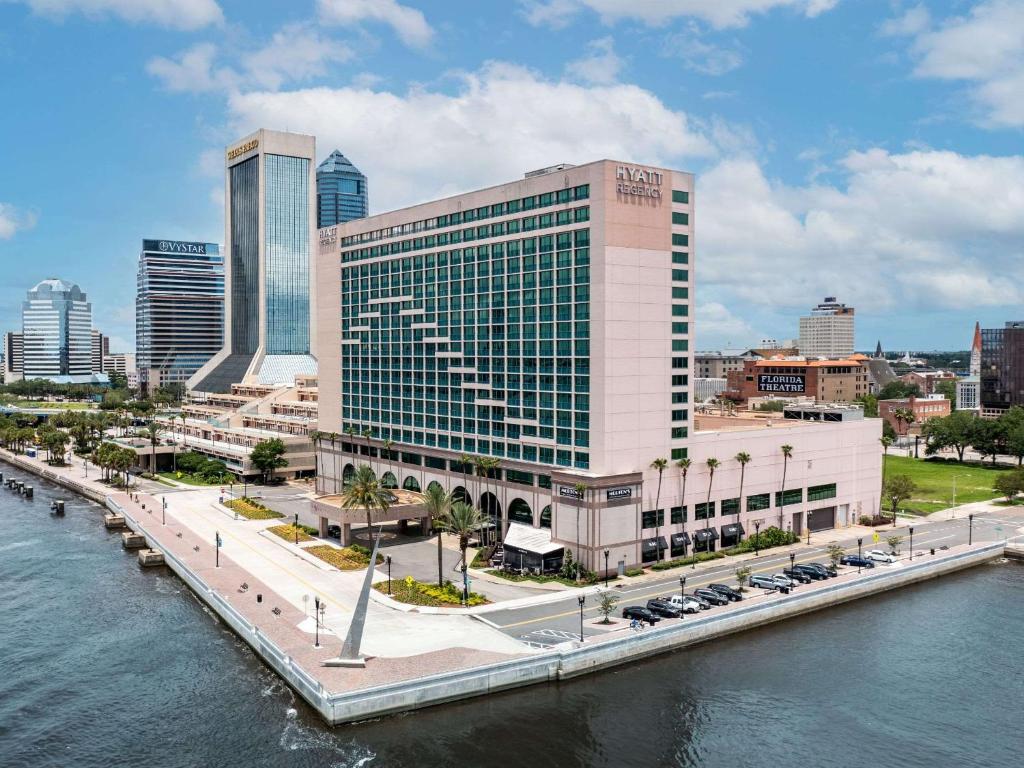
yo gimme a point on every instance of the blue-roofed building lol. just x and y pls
(341, 193)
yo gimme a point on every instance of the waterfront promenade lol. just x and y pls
(417, 659)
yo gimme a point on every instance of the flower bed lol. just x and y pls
(413, 592)
(287, 532)
(352, 558)
(251, 509)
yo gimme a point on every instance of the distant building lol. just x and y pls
(827, 331)
(968, 394)
(926, 381)
(716, 365)
(122, 363)
(826, 381)
(924, 409)
(179, 310)
(975, 369)
(56, 326)
(341, 192)
(705, 389)
(1002, 368)
(100, 348)
(13, 356)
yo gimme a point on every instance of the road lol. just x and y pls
(553, 623)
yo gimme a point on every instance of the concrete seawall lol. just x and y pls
(54, 477)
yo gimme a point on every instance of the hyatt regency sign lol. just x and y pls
(641, 182)
(780, 382)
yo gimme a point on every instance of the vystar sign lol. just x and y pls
(173, 246)
(637, 181)
(780, 382)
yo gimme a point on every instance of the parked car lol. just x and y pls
(763, 582)
(640, 613)
(664, 608)
(704, 604)
(687, 603)
(816, 571)
(783, 580)
(856, 560)
(795, 574)
(879, 556)
(711, 596)
(733, 595)
(334, 531)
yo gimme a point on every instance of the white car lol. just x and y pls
(783, 580)
(881, 557)
(687, 603)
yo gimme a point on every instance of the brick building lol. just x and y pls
(826, 381)
(923, 408)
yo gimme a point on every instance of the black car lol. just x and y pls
(811, 572)
(640, 613)
(664, 609)
(829, 570)
(861, 562)
(797, 575)
(713, 597)
(334, 531)
(704, 604)
(724, 589)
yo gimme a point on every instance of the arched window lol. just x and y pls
(434, 484)
(460, 494)
(519, 512)
(388, 480)
(411, 484)
(347, 472)
(545, 517)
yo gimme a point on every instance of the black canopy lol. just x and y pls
(653, 545)
(680, 539)
(705, 534)
(733, 529)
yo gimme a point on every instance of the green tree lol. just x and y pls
(437, 501)
(870, 403)
(1009, 484)
(743, 458)
(153, 432)
(606, 606)
(363, 491)
(835, 554)
(956, 431)
(898, 488)
(742, 575)
(658, 465)
(268, 456)
(713, 464)
(462, 521)
(897, 390)
(894, 543)
(684, 469)
(947, 388)
(989, 438)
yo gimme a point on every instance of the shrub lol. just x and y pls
(634, 571)
(287, 532)
(413, 592)
(251, 509)
(345, 559)
(864, 520)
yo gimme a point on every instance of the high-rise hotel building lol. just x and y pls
(179, 310)
(270, 216)
(547, 324)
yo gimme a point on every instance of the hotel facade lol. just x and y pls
(547, 324)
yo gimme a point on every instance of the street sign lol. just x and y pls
(874, 537)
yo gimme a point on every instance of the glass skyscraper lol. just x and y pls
(341, 193)
(179, 309)
(56, 326)
(270, 202)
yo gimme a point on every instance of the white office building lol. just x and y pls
(827, 331)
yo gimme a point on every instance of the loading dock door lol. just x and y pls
(821, 519)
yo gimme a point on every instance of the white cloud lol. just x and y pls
(920, 230)
(178, 14)
(718, 327)
(985, 48)
(700, 56)
(297, 52)
(13, 220)
(601, 65)
(408, 23)
(501, 121)
(717, 13)
(913, 22)
(192, 70)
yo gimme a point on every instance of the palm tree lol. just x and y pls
(153, 431)
(658, 464)
(463, 521)
(351, 432)
(362, 491)
(886, 441)
(581, 492)
(684, 468)
(490, 463)
(464, 460)
(713, 464)
(743, 458)
(437, 501)
(367, 433)
(387, 448)
(787, 454)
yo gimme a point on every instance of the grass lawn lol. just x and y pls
(934, 480)
(187, 479)
(413, 592)
(73, 406)
(287, 532)
(251, 509)
(345, 559)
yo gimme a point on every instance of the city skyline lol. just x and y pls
(814, 190)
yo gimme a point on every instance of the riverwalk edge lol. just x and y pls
(561, 663)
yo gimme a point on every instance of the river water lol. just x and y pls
(104, 664)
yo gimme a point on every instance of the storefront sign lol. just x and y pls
(641, 182)
(619, 493)
(241, 149)
(572, 493)
(173, 246)
(780, 382)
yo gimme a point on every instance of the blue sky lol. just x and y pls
(869, 149)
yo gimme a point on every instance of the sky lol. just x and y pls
(871, 150)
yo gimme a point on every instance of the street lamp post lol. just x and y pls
(808, 535)
(911, 542)
(217, 548)
(682, 594)
(387, 559)
(164, 510)
(859, 543)
(316, 618)
(607, 554)
(582, 599)
(296, 529)
(757, 536)
(792, 562)
(970, 529)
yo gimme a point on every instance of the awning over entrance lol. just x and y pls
(733, 529)
(705, 535)
(653, 545)
(680, 539)
(530, 539)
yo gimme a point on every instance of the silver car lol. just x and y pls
(764, 582)
(783, 580)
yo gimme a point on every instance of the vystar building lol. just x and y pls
(547, 324)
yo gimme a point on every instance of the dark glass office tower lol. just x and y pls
(341, 193)
(1002, 368)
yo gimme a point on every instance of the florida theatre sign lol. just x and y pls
(781, 382)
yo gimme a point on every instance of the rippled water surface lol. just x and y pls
(104, 664)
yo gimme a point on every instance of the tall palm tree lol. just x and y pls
(743, 458)
(581, 491)
(684, 469)
(153, 432)
(886, 441)
(363, 491)
(491, 463)
(387, 448)
(787, 454)
(463, 521)
(713, 464)
(367, 434)
(464, 460)
(658, 464)
(437, 501)
(351, 432)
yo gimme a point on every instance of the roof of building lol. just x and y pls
(771, 351)
(976, 344)
(336, 163)
(55, 284)
(804, 363)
